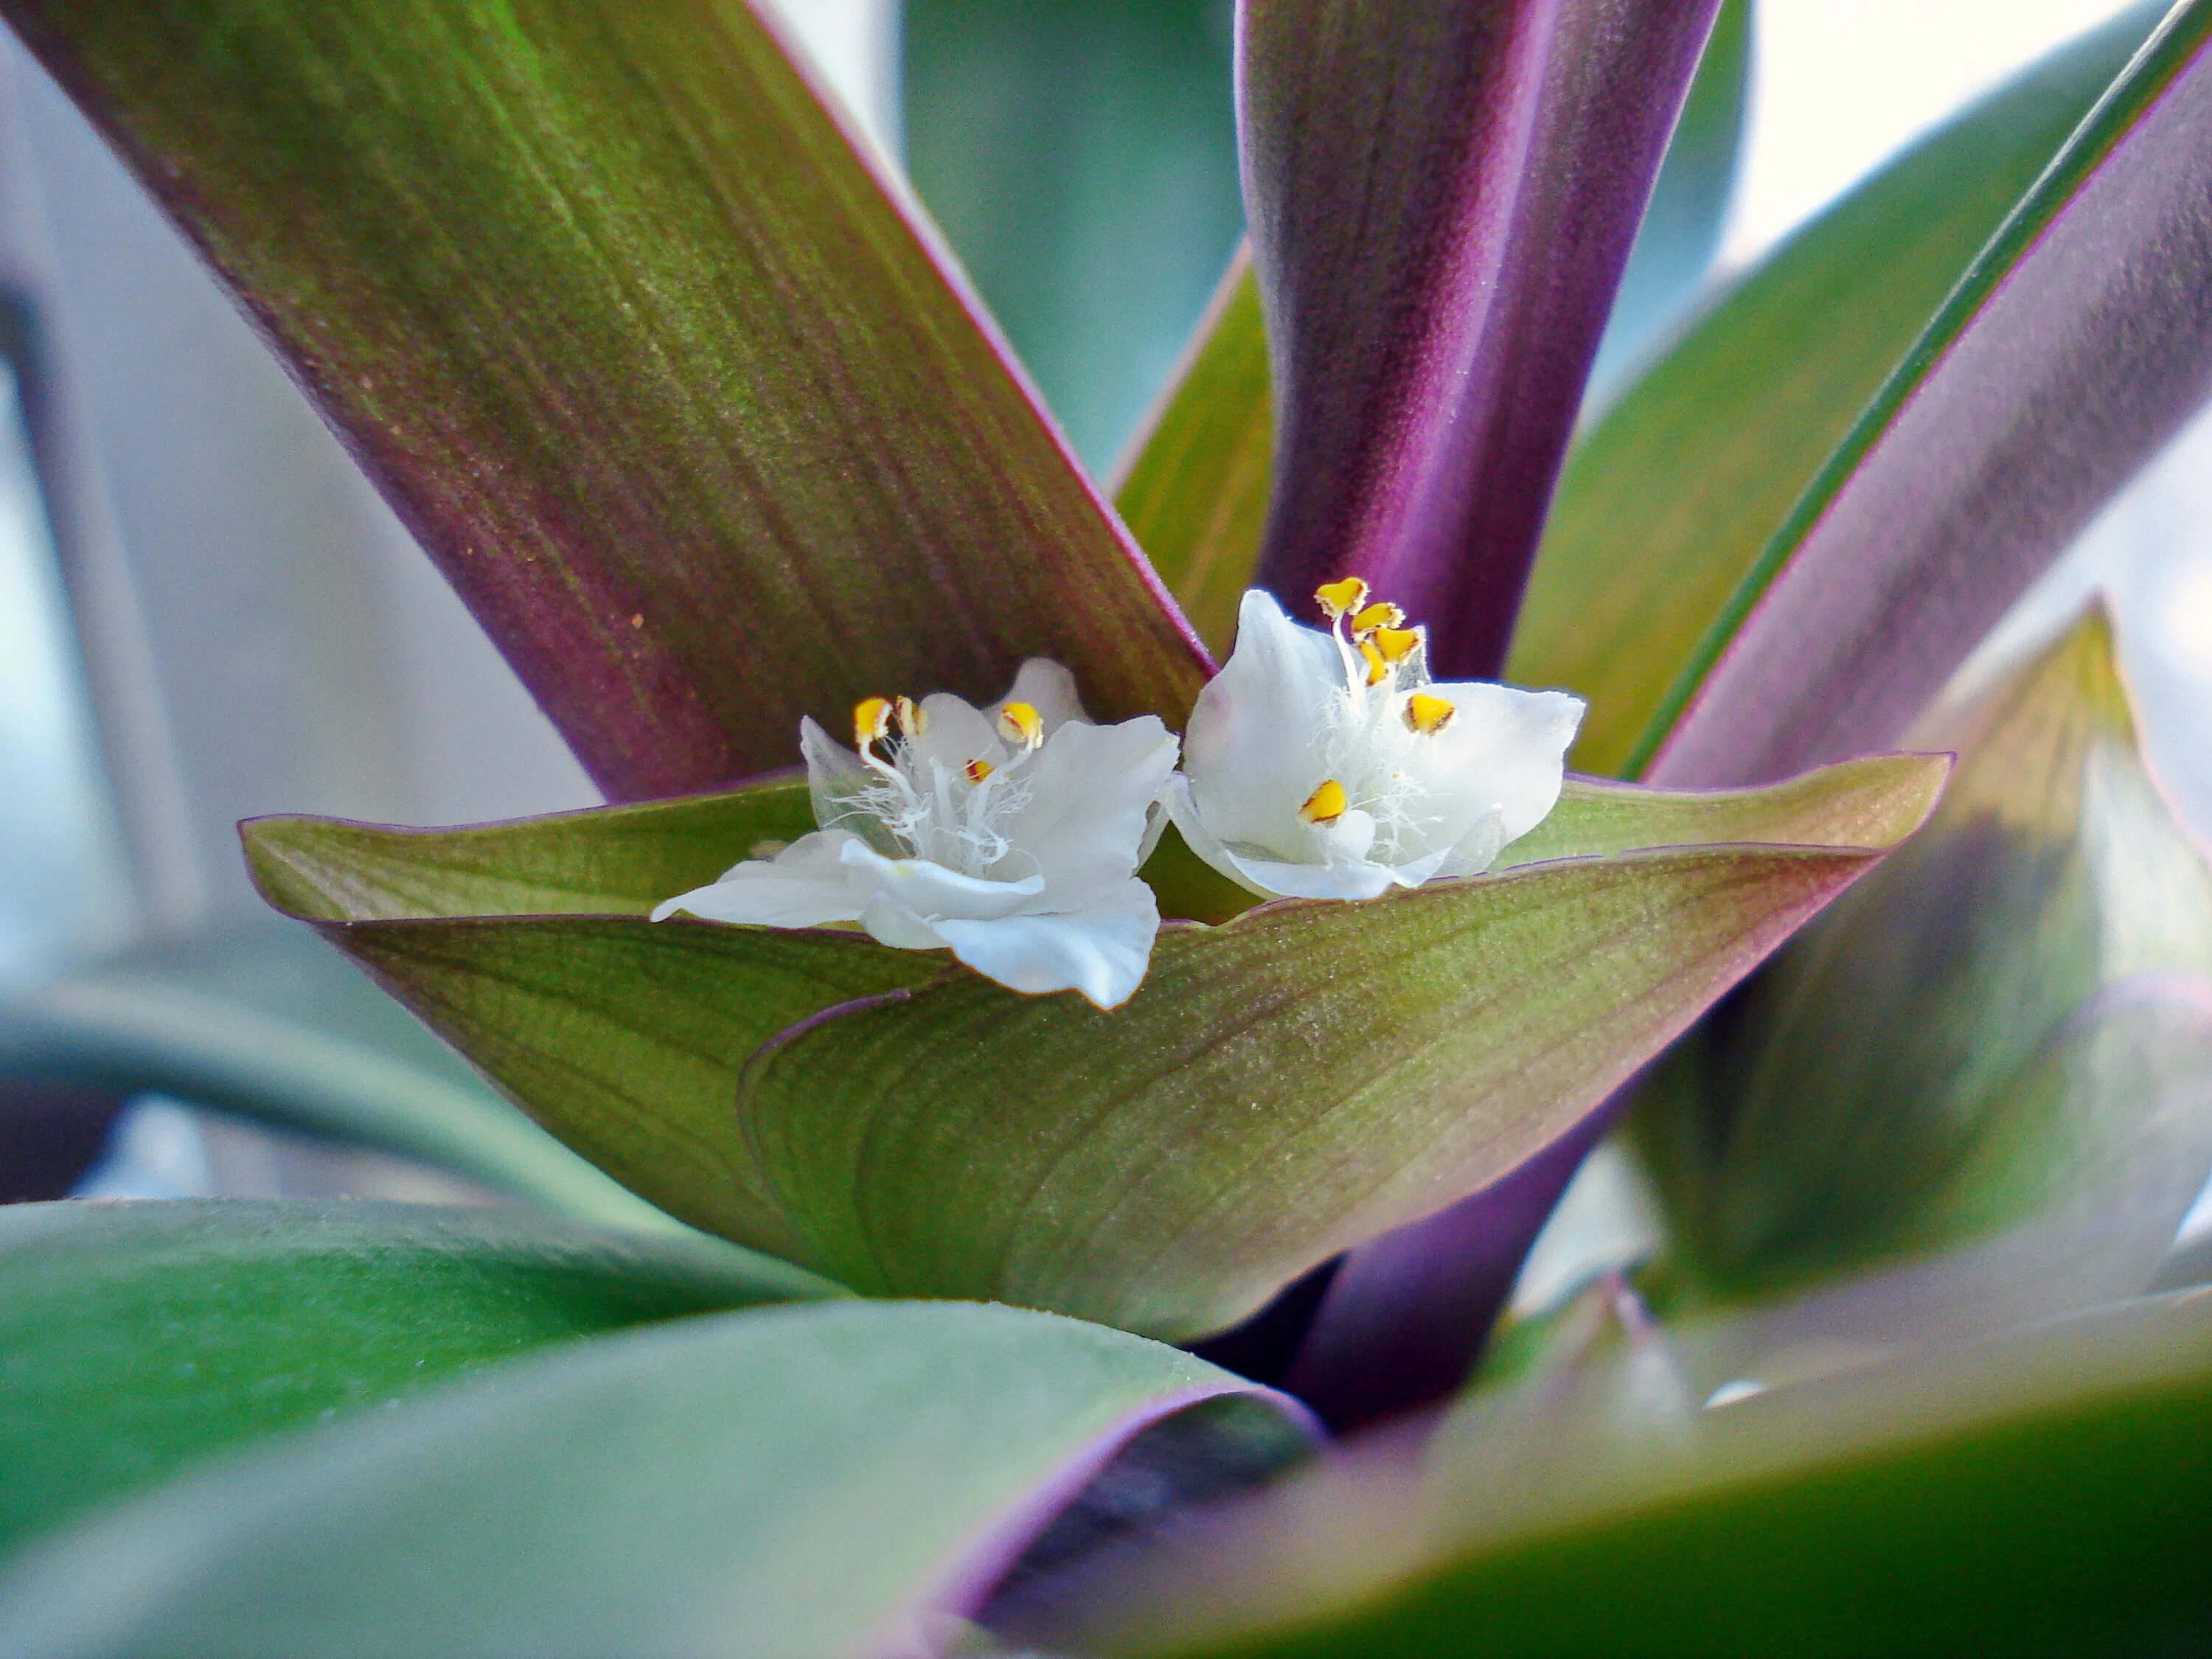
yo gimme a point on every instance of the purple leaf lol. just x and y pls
(686, 407)
(2077, 345)
(1441, 199)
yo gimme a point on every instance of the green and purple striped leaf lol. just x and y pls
(650, 359)
(1441, 199)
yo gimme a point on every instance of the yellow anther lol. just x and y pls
(1429, 714)
(978, 770)
(1325, 805)
(1379, 667)
(1021, 724)
(912, 722)
(1339, 598)
(1396, 644)
(1383, 615)
(872, 721)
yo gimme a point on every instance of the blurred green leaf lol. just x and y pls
(1195, 494)
(267, 1023)
(1287, 1084)
(2043, 1494)
(1083, 162)
(1931, 1062)
(1666, 503)
(137, 1337)
(652, 363)
(820, 1481)
(626, 1036)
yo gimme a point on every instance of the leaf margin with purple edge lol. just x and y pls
(648, 474)
(1707, 730)
(1027, 1227)
(1416, 513)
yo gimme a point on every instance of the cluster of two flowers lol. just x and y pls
(1316, 765)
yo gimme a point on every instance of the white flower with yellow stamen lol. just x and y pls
(1010, 835)
(1327, 765)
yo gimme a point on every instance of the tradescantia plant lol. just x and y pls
(1264, 1011)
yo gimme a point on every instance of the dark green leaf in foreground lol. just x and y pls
(2048, 1494)
(1665, 505)
(826, 1481)
(1992, 1028)
(1285, 1086)
(1282, 1086)
(650, 360)
(137, 1337)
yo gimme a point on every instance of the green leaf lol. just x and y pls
(1081, 161)
(1932, 1061)
(626, 1037)
(1195, 493)
(651, 363)
(134, 1338)
(821, 1481)
(269, 1023)
(1284, 1085)
(2042, 1494)
(1666, 503)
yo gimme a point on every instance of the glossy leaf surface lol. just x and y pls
(1972, 1037)
(1441, 201)
(625, 1037)
(1196, 492)
(1283, 1086)
(1665, 505)
(2041, 1494)
(824, 1481)
(2077, 345)
(268, 1024)
(136, 1338)
(643, 352)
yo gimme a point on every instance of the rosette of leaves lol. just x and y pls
(680, 393)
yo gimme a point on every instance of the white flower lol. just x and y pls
(1010, 836)
(1326, 765)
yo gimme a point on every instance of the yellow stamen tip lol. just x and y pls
(1383, 615)
(1428, 714)
(1378, 667)
(912, 722)
(978, 770)
(872, 721)
(1396, 644)
(1339, 598)
(1325, 805)
(1021, 724)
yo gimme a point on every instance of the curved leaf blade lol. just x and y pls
(2043, 1493)
(821, 1481)
(1282, 1087)
(1666, 502)
(136, 1338)
(2077, 343)
(1195, 491)
(683, 404)
(1441, 202)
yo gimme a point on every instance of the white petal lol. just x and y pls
(889, 922)
(1476, 852)
(1102, 951)
(1505, 751)
(1091, 789)
(1254, 749)
(954, 733)
(807, 883)
(931, 892)
(834, 776)
(1340, 870)
(1048, 688)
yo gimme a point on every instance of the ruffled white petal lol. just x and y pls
(934, 893)
(1091, 791)
(807, 883)
(1102, 951)
(1253, 750)
(1504, 752)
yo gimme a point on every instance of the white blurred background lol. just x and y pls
(206, 614)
